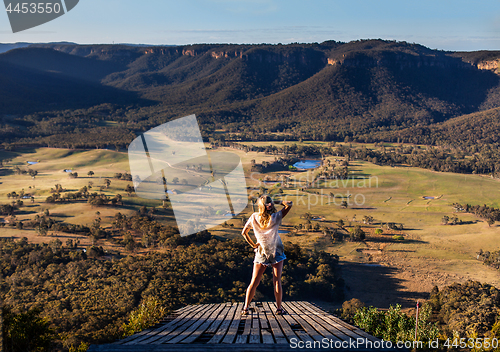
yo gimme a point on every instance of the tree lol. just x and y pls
(107, 182)
(350, 307)
(90, 173)
(357, 233)
(129, 190)
(33, 173)
(490, 221)
(119, 198)
(368, 219)
(25, 332)
(175, 180)
(445, 220)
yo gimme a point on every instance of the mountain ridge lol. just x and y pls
(337, 89)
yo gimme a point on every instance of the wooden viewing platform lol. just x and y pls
(221, 327)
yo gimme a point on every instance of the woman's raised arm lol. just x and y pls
(287, 206)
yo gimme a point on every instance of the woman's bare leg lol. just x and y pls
(258, 271)
(278, 291)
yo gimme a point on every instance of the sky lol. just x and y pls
(455, 25)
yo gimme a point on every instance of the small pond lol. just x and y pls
(307, 164)
(32, 162)
(429, 197)
(68, 170)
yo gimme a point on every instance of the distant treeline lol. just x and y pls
(482, 211)
(475, 160)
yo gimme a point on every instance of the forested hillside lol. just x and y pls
(89, 299)
(369, 90)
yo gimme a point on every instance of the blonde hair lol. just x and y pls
(264, 214)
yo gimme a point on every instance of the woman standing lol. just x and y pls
(269, 249)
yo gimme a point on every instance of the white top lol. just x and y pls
(268, 237)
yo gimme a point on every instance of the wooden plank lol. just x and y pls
(354, 329)
(346, 328)
(323, 319)
(305, 325)
(278, 334)
(313, 323)
(286, 322)
(243, 338)
(221, 332)
(179, 326)
(255, 330)
(265, 329)
(185, 308)
(201, 329)
(212, 329)
(192, 329)
(146, 334)
(174, 330)
(332, 323)
(233, 328)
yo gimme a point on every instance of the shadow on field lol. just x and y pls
(6, 172)
(376, 285)
(358, 175)
(401, 250)
(60, 215)
(388, 238)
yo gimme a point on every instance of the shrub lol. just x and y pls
(350, 307)
(147, 314)
(394, 325)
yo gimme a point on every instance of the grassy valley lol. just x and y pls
(382, 194)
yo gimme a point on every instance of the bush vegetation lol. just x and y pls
(91, 300)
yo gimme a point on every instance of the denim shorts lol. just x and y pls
(267, 261)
